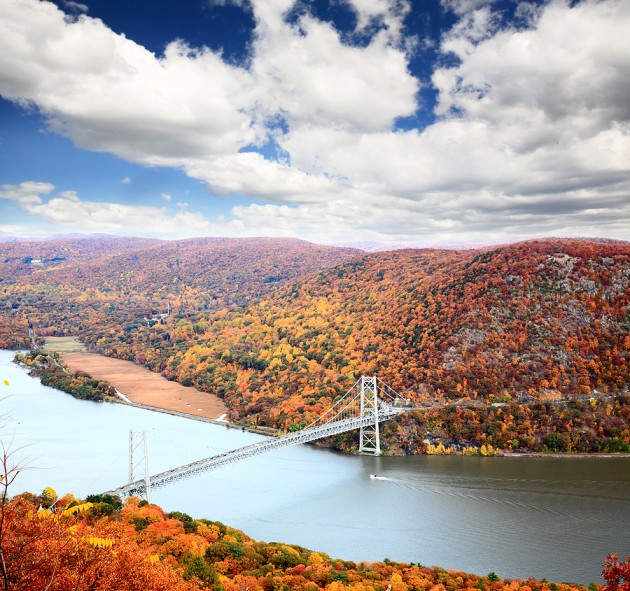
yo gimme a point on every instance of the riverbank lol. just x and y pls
(267, 431)
(532, 454)
(166, 397)
(140, 387)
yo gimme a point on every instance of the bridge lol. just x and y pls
(365, 405)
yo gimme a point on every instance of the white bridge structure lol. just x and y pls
(368, 403)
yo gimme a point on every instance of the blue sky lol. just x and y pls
(425, 121)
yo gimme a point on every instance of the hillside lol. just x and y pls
(529, 323)
(518, 347)
(66, 285)
(62, 544)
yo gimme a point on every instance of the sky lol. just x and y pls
(436, 122)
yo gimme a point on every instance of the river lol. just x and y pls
(555, 518)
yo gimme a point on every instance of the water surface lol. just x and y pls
(541, 517)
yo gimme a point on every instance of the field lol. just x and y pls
(64, 345)
(145, 387)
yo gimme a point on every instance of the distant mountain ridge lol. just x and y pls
(66, 285)
(376, 246)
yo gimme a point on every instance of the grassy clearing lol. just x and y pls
(64, 345)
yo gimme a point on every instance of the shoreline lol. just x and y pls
(577, 456)
(144, 387)
(122, 398)
(185, 397)
(269, 432)
(221, 422)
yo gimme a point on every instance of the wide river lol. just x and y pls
(555, 518)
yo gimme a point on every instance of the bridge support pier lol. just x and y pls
(369, 437)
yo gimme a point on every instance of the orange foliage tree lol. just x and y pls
(616, 573)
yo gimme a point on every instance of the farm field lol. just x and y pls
(144, 387)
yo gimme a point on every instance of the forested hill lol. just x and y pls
(535, 320)
(279, 328)
(68, 284)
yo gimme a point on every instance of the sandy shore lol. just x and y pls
(144, 387)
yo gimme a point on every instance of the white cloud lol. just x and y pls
(390, 13)
(472, 28)
(573, 66)
(166, 197)
(529, 117)
(532, 132)
(251, 174)
(108, 93)
(442, 218)
(308, 75)
(67, 212)
(26, 194)
(527, 13)
(125, 181)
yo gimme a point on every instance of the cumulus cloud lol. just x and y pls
(251, 174)
(26, 194)
(66, 211)
(571, 67)
(387, 13)
(531, 132)
(107, 93)
(305, 72)
(526, 117)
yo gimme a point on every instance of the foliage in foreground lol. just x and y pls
(101, 545)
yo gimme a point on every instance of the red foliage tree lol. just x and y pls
(616, 573)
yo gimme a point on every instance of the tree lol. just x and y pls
(616, 573)
(10, 469)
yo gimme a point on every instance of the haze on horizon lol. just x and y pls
(431, 122)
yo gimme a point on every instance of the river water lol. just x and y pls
(555, 518)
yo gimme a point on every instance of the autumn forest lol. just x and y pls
(521, 347)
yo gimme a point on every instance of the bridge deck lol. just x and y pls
(304, 436)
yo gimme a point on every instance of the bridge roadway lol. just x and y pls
(385, 412)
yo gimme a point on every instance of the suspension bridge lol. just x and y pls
(365, 405)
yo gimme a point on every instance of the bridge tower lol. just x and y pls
(369, 437)
(142, 445)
